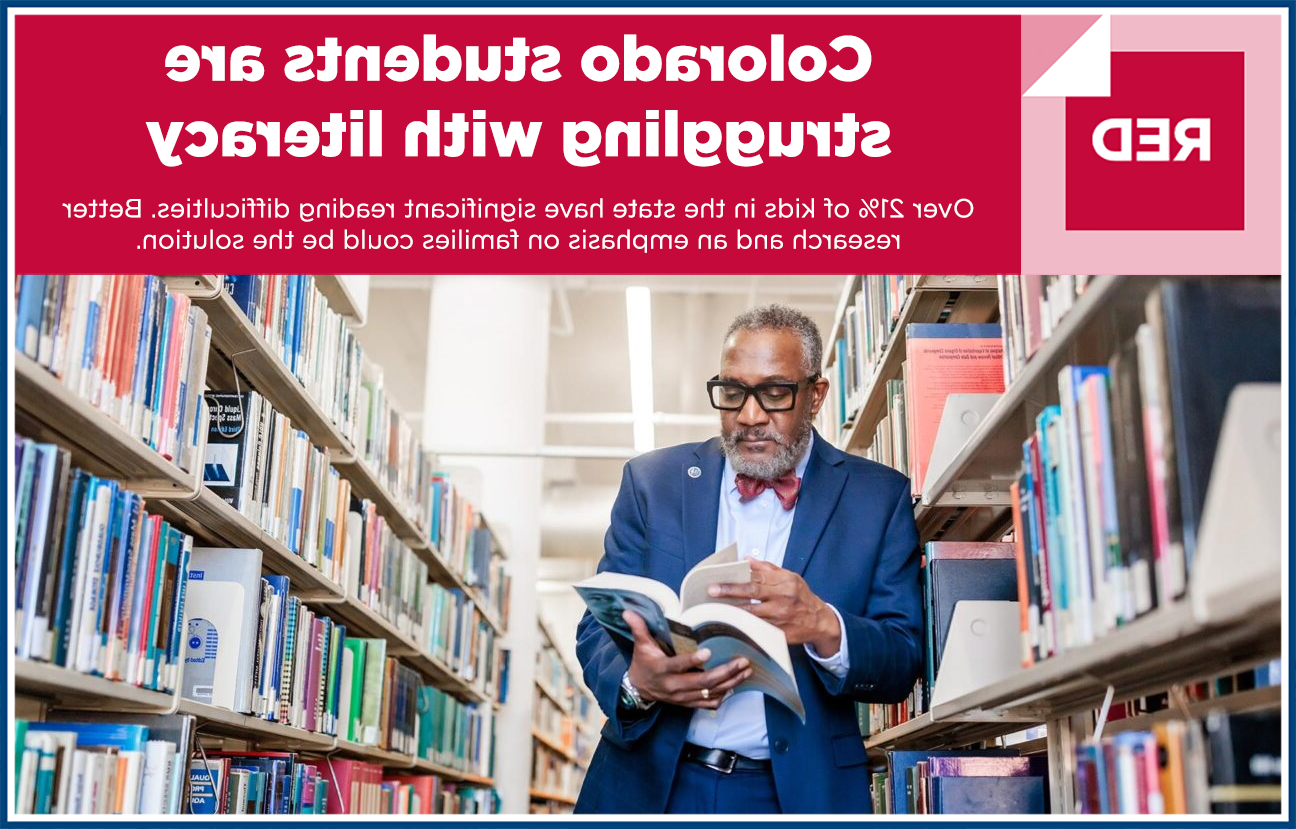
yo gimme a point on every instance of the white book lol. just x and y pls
(176, 780)
(238, 781)
(132, 769)
(26, 798)
(81, 566)
(88, 655)
(76, 784)
(153, 796)
(353, 542)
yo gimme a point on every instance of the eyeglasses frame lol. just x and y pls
(792, 386)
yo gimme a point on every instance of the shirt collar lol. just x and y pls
(731, 474)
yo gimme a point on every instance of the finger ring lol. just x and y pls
(706, 693)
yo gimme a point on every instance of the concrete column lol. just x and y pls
(488, 352)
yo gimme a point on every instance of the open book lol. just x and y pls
(693, 620)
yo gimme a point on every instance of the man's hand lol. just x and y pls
(784, 600)
(675, 679)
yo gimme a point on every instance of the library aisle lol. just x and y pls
(306, 544)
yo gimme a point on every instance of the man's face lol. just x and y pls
(760, 443)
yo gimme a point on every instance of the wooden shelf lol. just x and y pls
(234, 335)
(366, 484)
(45, 409)
(1168, 646)
(563, 705)
(71, 689)
(538, 794)
(925, 302)
(391, 759)
(339, 296)
(208, 517)
(1106, 314)
(218, 721)
(451, 773)
(553, 745)
(1257, 699)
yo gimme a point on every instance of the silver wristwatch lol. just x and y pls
(630, 696)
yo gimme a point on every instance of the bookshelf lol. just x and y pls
(564, 729)
(48, 411)
(953, 298)
(1218, 627)
(341, 297)
(56, 685)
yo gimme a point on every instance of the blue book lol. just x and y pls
(31, 300)
(270, 671)
(121, 736)
(899, 764)
(92, 336)
(205, 788)
(295, 508)
(987, 795)
(242, 289)
(953, 331)
(175, 649)
(159, 372)
(122, 523)
(1049, 427)
(290, 323)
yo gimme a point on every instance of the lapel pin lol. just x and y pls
(694, 472)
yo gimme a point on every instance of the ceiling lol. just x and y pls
(589, 378)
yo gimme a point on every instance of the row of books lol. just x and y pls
(255, 648)
(1113, 482)
(385, 441)
(1228, 764)
(314, 342)
(988, 571)
(108, 763)
(125, 344)
(940, 359)
(362, 788)
(553, 774)
(1030, 309)
(985, 781)
(101, 767)
(866, 329)
(257, 783)
(458, 634)
(467, 545)
(100, 582)
(258, 463)
(455, 734)
(269, 471)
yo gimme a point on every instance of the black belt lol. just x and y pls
(723, 761)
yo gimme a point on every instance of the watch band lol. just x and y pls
(630, 696)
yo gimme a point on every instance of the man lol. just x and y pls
(835, 566)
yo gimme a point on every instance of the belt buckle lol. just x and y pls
(728, 767)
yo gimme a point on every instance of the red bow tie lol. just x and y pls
(786, 488)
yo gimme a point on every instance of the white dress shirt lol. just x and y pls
(761, 528)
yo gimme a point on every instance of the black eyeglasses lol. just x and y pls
(730, 396)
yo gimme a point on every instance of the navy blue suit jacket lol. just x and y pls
(853, 540)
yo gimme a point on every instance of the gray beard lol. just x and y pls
(784, 460)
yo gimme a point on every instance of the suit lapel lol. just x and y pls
(820, 490)
(701, 493)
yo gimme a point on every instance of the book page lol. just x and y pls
(730, 632)
(721, 567)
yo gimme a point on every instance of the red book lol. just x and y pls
(424, 786)
(944, 359)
